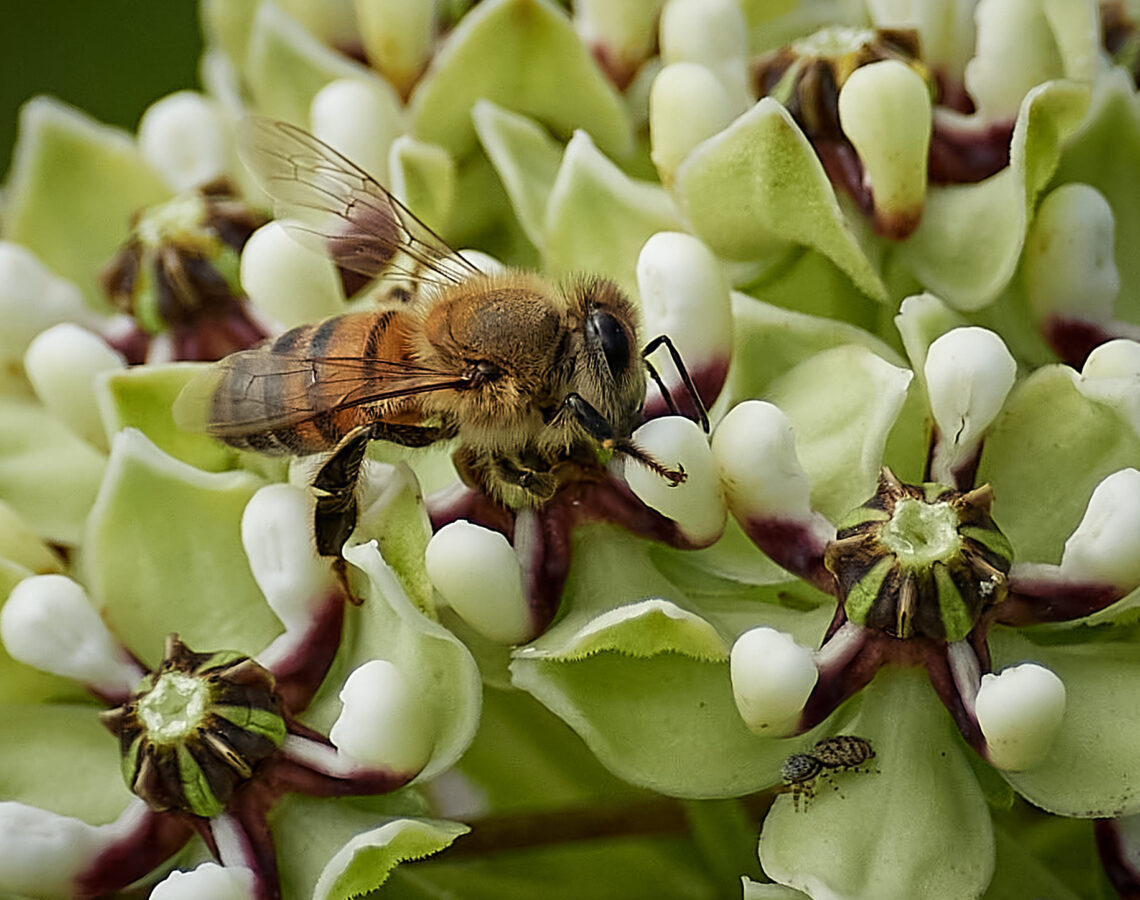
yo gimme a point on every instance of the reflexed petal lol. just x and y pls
(757, 187)
(365, 862)
(164, 553)
(492, 54)
(73, 188)
(915, 825)
(1092, 769)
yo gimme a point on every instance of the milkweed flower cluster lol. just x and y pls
(896, 585)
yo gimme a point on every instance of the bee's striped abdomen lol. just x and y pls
(299, 394)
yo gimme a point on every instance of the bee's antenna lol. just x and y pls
(686, 379)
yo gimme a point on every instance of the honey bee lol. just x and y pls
(535, 379)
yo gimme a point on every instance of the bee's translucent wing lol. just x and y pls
(329, 203)
(259, 390)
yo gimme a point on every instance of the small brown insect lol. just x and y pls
(844, 752)
(534, 378)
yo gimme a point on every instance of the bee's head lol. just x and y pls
(608, 370)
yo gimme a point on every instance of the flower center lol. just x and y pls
(920, 560)
(920, 534)
(174, 707)
(197, 728)
(836, 40)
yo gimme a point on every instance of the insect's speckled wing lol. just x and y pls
(329, 203)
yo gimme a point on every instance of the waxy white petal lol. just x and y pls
(185, 138)
(42, 853)
(884, 109)
(207, 880)
(1105, 547)
(714, 34)
(755, 450)
(687, 105)
(478, 574)
(276, 531)
(62, 364)
(359, 118)
(1069, 262)
(290, 283)
(33, 298)
(1111, 375)
(382, 723)
(696, 504)
(1019, 711)
(969, 372)
(772, 678)
(49, 623)
(685, 295)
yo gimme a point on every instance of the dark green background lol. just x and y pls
(112, 58)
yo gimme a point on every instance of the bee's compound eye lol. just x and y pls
(605, 330)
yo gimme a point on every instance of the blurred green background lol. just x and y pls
(112, 58)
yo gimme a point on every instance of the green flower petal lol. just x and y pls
(524, 757)
(757, 890)
(47, 474)
(598, 218)
(526, 158)
(73, 188)
(164, 554)
(666, 721)
(758, 187)
(285, 65)
(387, 625)
(967, 247)
(142, 398)
(769, 340)
(1022, 873)
(917, 827)
(424, 175)
(1073, 442)
(59, 757)
(1093, 769)
(842, 404)
(525, 55)
(365, 862)
(309, 832)
(1105, 153)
